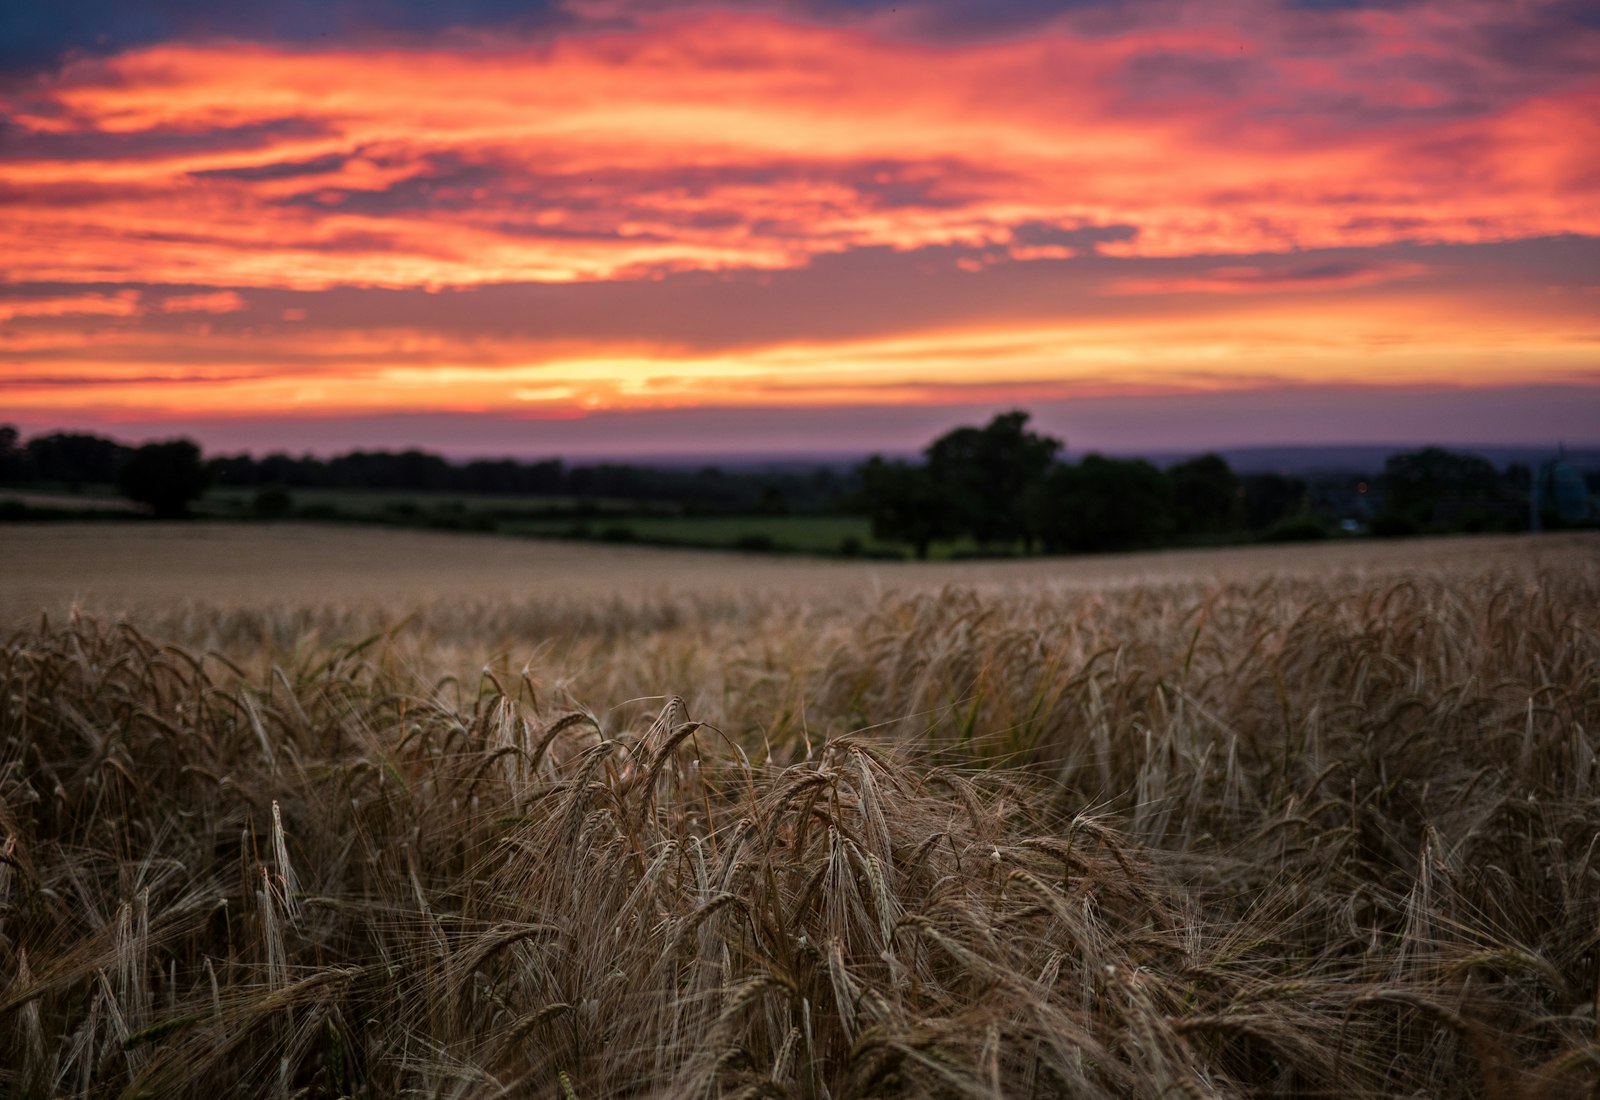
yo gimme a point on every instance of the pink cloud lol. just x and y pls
(220, 301)
(123, 303)
(767, 203)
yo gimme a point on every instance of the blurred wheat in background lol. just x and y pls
(1309, 835)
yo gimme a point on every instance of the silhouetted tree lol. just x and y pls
(74, 459)
(10, 455)
(1416, 483)
(984, 475)
(708, 488)
(1205, 496)
(1518, 478)
(1269, 498)
(165, 477)
(506, 476)
(905, 505)
(1102, 504)
(772, 501)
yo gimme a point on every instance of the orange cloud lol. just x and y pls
(1299, 278)
(1020, 199)
(1253, 344)
(721, 140)
(124, 303)
(221, 301)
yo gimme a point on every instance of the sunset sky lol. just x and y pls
(608, 227)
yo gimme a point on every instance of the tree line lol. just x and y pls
(711, 487)
(165, 477)
(179, 473)
(1004, 486)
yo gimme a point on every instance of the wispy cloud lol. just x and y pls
(122, 303)
(217, 301)
(406, 207)
(712, 141)
(1283, 278)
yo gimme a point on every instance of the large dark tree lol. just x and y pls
(984, 476)
(1415, 483)
(165, 477)
(905, 505)
(1269, 498)
(74, 459)
(1205, 496)
(1102, 504)
(10, 455)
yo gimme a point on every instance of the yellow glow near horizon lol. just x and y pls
(1243, 352)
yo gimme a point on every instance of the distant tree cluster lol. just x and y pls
(67, 460)
(73, 461)
(165, 477)
(411, 470)
(1438, 490)
(708, 487)
(974, 482)
(1002, 486)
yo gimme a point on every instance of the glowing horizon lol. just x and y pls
(642, 209)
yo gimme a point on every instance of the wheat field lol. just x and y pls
(465, 817)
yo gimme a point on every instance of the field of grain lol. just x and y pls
(309, 812)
